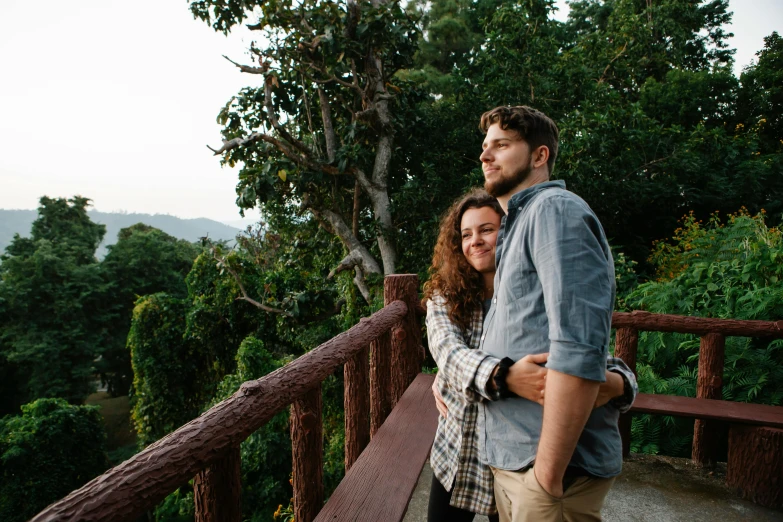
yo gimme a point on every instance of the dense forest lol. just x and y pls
(358, 128)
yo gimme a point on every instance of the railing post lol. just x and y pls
(217, 490)
(357, 406)
(709, 385)
(406, 355)
(625, 347)
(380, 380)
(307, 450)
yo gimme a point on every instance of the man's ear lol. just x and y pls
(540, 156)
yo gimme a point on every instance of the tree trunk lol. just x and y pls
(709, 385)
(756, 464)
(217, 490)
(307, 450)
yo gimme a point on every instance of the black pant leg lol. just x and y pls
(439, 509)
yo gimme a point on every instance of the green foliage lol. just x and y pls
(51, 309)
(47, 451)
(168, 385)
(266, 453)
(144, 261)
(65, 223)
(652, 121)
(177, 507)
(626, 279)
(761, 96)
(720, 269)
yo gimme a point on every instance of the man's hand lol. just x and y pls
(442, 408)
(551, 485)
(613, 387)
(527, 379)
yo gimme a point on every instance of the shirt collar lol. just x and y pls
(521, 198)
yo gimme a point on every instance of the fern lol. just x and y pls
(731, 269)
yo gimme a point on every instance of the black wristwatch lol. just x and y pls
(626, 397)
(501, 386)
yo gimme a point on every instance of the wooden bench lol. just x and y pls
(734, 412)
(754, 429)
(380, 483)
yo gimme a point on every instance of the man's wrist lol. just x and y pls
(500, 376)
(547, 480)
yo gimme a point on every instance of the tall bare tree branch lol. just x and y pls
(326, 116)
(250, 69)
(272, 116)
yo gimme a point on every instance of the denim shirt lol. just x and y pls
(554, 292)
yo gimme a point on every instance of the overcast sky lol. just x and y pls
(116, 101)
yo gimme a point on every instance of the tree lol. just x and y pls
(46, 452)
(168, 377)
(761, 96)
(336, 60)
(144, 261)
(51, 303)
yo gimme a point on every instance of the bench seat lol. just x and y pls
(734, 412)
(380, 483)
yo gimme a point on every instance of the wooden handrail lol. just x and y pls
(709, 383)
(650, 322)
(128, 490)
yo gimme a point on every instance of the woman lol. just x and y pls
(457, 296)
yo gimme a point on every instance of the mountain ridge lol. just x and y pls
(15, 221)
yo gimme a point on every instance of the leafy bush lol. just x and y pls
(722, 270)
(167, 386)
(46, 452)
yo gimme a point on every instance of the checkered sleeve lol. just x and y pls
(459, 364)
(625, 401)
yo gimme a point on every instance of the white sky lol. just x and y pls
(116, 101)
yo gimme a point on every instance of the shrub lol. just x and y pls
(46, 452)
(720, 269)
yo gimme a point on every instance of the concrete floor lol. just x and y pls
(651, 489)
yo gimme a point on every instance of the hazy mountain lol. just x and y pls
(20, 221)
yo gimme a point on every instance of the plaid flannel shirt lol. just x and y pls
(455, 452)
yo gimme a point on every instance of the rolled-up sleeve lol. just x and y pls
(630, 386)
(575, 268)
(460, 366)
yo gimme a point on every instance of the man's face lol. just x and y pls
(506, 160)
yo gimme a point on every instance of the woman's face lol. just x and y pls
(479, 229)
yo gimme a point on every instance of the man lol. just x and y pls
(554, 292)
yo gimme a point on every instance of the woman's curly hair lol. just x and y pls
(451, 276)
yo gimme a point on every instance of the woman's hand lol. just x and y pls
(613, 387)
(527, 379)
(442, 408)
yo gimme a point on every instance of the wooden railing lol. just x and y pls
(382, 355)
(709, 383)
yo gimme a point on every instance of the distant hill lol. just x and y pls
(20, 221)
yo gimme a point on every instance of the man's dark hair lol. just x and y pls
(533, 126)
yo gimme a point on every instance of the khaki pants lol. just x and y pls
(520, 498)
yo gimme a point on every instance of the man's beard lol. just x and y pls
(504, 185)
